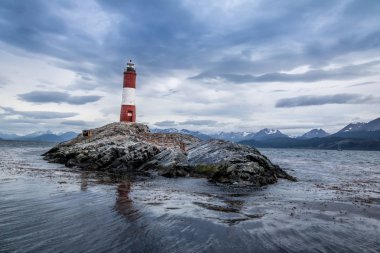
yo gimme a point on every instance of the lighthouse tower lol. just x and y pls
(128, 108)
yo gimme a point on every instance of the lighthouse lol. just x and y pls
(128, 108)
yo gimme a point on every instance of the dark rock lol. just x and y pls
(131, 148)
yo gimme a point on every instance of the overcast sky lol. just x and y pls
(215, 65)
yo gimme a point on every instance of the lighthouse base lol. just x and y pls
(128, 113)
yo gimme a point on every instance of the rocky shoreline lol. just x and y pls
(131, 148)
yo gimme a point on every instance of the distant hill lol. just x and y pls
(68, 135)
(318, 143)
(51, 137)
(314, 133)
(36, 134)
(8, 136)
(47, 136)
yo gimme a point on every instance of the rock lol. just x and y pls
(132, 148)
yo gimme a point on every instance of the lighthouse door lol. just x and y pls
(130, 116)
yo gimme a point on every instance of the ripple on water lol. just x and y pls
(49, 208)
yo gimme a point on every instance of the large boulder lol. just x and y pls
(132, 148)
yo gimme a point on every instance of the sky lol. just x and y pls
(211, 66)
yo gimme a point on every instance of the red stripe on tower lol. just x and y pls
(128, 107)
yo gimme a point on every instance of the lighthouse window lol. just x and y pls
(129, 113)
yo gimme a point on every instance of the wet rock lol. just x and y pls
(131, 148)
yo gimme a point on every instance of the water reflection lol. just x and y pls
(124, 203)
(83, 181)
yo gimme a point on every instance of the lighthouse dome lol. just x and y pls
(130, 66)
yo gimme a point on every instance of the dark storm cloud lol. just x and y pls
(290, 39)
(27, 24)
(56, 97)
(8, 111)
(36, 27)
(159, 34)
(322, 100)
(154, 33)
(167, 35)
(256, 42)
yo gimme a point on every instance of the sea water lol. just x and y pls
(46, 207)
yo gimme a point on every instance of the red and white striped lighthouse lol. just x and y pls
(128, 108)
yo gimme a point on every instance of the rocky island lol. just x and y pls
(131, 148)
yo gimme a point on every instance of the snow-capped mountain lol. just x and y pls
(233, 136)
(266, 133)
(197, 134)
(352, 127)
(370, 130)
(373, 125)
(315, 133)
(228, 136)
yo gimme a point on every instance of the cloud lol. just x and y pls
(362, 84)
(237, 49)
(166, 123)
(261, 41)
(322, 100)
(343, 73)
(56, 97)
(299, 32)
(170, 123)
(8, 111)
(75, 123)
(4, 81)
(199, 122)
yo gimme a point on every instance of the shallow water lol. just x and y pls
(335, 207)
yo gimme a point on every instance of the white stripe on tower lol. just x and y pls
(128, 96)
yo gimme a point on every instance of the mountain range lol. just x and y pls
(365, 136)
(229, 136)
(355, 136)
